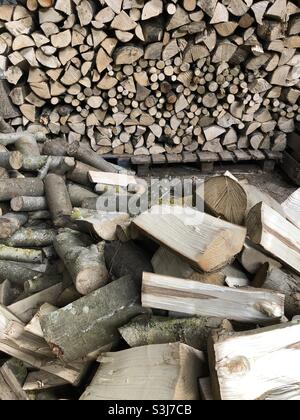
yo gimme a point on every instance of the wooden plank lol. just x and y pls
(227, 156)
(188, 157)
(242, 155)
(106, 178)
(7, 109)
(291, 207)
(267, 362)
(257, 155)
(208, 157)
(175, 158)
(196, 298)
(206, 242)
(159, 159)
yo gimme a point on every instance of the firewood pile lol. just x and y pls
(169, 303)
(149, 77)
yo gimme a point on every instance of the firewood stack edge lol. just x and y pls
(171, 302)
(150, 77)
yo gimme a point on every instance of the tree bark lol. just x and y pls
(84, 261)
(11, 188)
(92, 321)
(58, 199)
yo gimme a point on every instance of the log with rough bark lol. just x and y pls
(83, 260)
(291, 208)
(92, 321)
(265, 359)
(145, 330)
(275, 234)
(155, 372)
(196, 298)
(58, 199)
(207, 243)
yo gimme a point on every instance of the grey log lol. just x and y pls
(10, 223)
(10, 188)
(92, 321)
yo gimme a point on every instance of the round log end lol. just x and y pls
(17, 204)
(91, 279)
(16, 160)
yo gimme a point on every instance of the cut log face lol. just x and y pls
(172, 380)
(205, 242)
(118, 65)
(224, 197)
(196, 298)
(273, 372)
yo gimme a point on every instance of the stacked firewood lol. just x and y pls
(149, 77)
(149, 294)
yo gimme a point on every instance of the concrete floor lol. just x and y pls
(276, 183)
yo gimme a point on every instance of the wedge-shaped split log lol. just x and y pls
(156, 372)
(207, 243)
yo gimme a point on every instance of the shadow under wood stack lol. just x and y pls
(150, 77)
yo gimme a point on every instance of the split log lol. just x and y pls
(28, 204)
(173, 380)
(166, 263)
(194, 298)
(31, 238)
(291, 208)
(273, 371)
(201, 241)
(275, 234)
(10, 223)
(145, 330)
(26, 308)
(14, 373)
(58, 200)
(128, 258)
(92, 321)
(84, 261)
